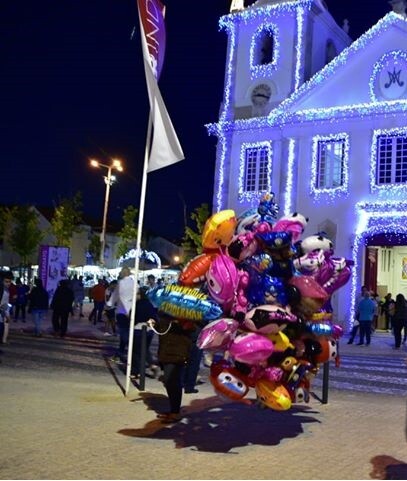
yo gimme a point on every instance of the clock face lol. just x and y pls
(261, 94)
(390, 77)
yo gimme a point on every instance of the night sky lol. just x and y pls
(72, 87)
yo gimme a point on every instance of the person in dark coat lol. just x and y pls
(61, 305)
(38, 305)
(399, 319)
(144, 312)
(173, 352)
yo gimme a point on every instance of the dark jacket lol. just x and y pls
(145, 311)
(175, 346)
(400, 314)
(38, 299)
(63, 299)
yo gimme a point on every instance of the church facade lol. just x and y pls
(321, 121)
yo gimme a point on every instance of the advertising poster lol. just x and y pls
(404, 268)
(53, 267)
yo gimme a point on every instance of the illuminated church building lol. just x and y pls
(320, 120)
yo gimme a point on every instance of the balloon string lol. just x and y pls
(160, 333)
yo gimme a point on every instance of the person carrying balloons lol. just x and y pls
(173, 352)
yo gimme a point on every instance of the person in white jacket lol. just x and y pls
(122, 298)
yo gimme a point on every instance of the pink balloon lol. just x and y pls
(217, 334)
(222, 280)
(309, 287)
(251, 348)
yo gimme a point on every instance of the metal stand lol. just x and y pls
(143, 353)
(325, 383)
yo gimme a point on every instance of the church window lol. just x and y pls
(391, 165)
(330, 164)
(264, 50)
(255, 170)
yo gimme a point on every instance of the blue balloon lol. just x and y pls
(185, 303)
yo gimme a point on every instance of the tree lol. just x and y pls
(128, 234)
(6, 216)
(25, 234)
(192, 240)
(67, 219)
(95, 247)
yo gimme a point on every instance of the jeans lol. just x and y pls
(123, 328)
(97, 311)
(365, 330)
(38, 315)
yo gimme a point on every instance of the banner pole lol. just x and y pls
(138, 250)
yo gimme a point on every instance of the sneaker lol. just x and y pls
(106, 334)
(350, 342)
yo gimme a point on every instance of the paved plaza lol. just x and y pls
(75, 423)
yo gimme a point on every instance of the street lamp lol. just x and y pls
(109, 179)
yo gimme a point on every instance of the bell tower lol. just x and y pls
(272, 50)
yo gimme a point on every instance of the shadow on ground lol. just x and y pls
(213, 426)
(387, 467)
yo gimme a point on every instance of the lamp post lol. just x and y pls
(109, 179)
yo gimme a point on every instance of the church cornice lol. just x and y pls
(266, 12)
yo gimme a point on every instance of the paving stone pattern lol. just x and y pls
(64, 416)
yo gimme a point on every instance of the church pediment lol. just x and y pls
(370, 73)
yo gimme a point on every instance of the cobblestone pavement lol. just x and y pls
(62, 421)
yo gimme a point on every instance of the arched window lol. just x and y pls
(264, 50)
(265, 47)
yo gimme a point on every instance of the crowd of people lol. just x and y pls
(369, 306)
(178, 356)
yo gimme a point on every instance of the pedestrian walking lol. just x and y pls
(38, 305)
(356, 324)
(388, 310)
(98, 294)
(122, 298)
(399, 319)
(5, 305)
(61, 305)
(78, 288)
(110, 311)
(366, 309)
(21, 299)
(144, 312)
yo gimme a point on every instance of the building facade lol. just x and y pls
(320, 120)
